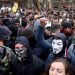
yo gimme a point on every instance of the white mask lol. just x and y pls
(57, 45)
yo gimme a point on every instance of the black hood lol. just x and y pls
(63, 38)
(24, 41)
(5, 32)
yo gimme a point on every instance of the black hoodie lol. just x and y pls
(53, 56)
(31, 66)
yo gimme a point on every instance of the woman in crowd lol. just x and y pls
(59, 67)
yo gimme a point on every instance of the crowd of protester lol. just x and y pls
(37, 41)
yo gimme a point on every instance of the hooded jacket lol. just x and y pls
(61, 54)
(5, 32)
(30, 66)
(71, 53)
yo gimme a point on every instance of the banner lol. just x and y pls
(15, 7)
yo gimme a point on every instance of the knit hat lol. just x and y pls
(4, 32)
(66, 25)
(22, 40)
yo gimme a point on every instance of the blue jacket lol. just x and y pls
(45, 44)
(71, 52)
(51, 57)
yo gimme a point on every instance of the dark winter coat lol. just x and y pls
(30, 66)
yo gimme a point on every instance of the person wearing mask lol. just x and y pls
(51, 46)
(58, 48)
(24, 62)
(6, 54)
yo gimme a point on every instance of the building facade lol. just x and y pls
(42, 3)
(59, 3)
